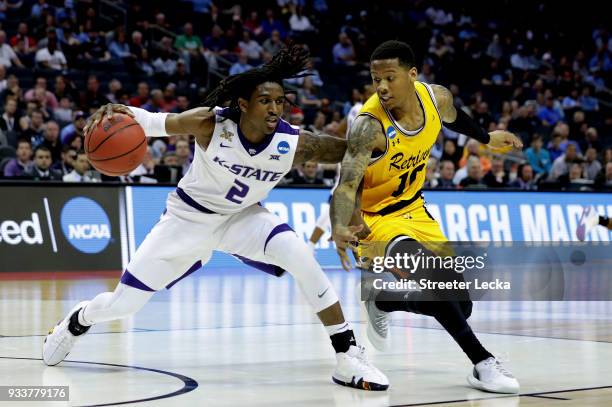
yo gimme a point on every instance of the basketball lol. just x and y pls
(116, 147)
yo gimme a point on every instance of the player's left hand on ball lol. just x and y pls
(343, 236)
(105, 111)
(502, 138)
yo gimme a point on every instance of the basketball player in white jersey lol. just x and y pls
(323, 222)
(241, 153)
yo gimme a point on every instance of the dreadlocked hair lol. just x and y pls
(286, 64)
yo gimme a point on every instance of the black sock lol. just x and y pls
(390, 301)
(604, 221)
(74, 327)
(343, 341)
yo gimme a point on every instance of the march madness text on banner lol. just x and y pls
(463, 215)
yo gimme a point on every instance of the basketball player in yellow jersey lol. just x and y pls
(387, 153)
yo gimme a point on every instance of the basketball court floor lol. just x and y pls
(243, 338)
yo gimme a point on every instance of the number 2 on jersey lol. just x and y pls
(404, 178)
(237, 192)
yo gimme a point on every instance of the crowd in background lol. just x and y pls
(533, 70)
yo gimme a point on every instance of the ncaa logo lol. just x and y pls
(391, 132)
(85, 225)
(283, 147)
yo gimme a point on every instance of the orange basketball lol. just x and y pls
(117, 147)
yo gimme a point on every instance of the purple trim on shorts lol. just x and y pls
(283, 227)
(190, 201)
(224, 112)
(196, 266)
(268, 268)
(284, 127)
(129, 279)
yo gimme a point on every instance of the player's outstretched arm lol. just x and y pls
(322, 148)
(199, 122)
(459, 121)
(364, 138)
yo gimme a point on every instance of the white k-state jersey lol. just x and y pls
(232, 173)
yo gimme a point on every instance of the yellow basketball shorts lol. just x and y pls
(415, 224)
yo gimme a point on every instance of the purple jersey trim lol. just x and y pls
(190, 201)
(196, 266)
(129, 279)
(283, 227)
(257, 148)
(265, 267)
(284, 127)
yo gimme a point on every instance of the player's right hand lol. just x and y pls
(105, 111)
(344, 236)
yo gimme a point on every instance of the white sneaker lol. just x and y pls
(588, 220)
(60, 340)
(378, 321)
(355, 370)
(491, 375)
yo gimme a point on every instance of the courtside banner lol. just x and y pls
(49, 228)
(463, 215)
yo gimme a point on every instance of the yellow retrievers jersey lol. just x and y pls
(399, 173)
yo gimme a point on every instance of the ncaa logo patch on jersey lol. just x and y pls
(391, 132)
(283, 147)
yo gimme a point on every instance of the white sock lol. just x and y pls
(336, 329)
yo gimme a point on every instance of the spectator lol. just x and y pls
(474, 174)
(9, 118)
(41, 170)
(215, 41)
(538, 157)
(141, 53)
(38, 9)
(496, 177)
(587, 102)
(142, 95)
(34, 132)
(183, 154)
(191, 49)
(114, 91)
(94, 47)
(447, 172)
(573, 180)
(51, 140)
(65, 164)
(8, 58)
(241, 65)
(270, 23)
(554, 146)
(120, 49)
(63, 114)
(250, 47)
(482, 115)
(273, 44)
(450, 152)
(431, 180)
(22, 163)
(93, 95)
(29, 43)
(604, 180)
(47, 99)
(307, 175)
(525, 179)
(3, 81)
(472, 148)
(343, 51)
(157, 102)
(298, 22)
(548, 114)
(81, 172)
(592, 166)
(64, 88)
(75, 129)
(561, 165)
(50, 57)
(591, 140)
(165, 63)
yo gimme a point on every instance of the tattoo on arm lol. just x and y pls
(361, 143)
(444, 99)
(321, 148)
